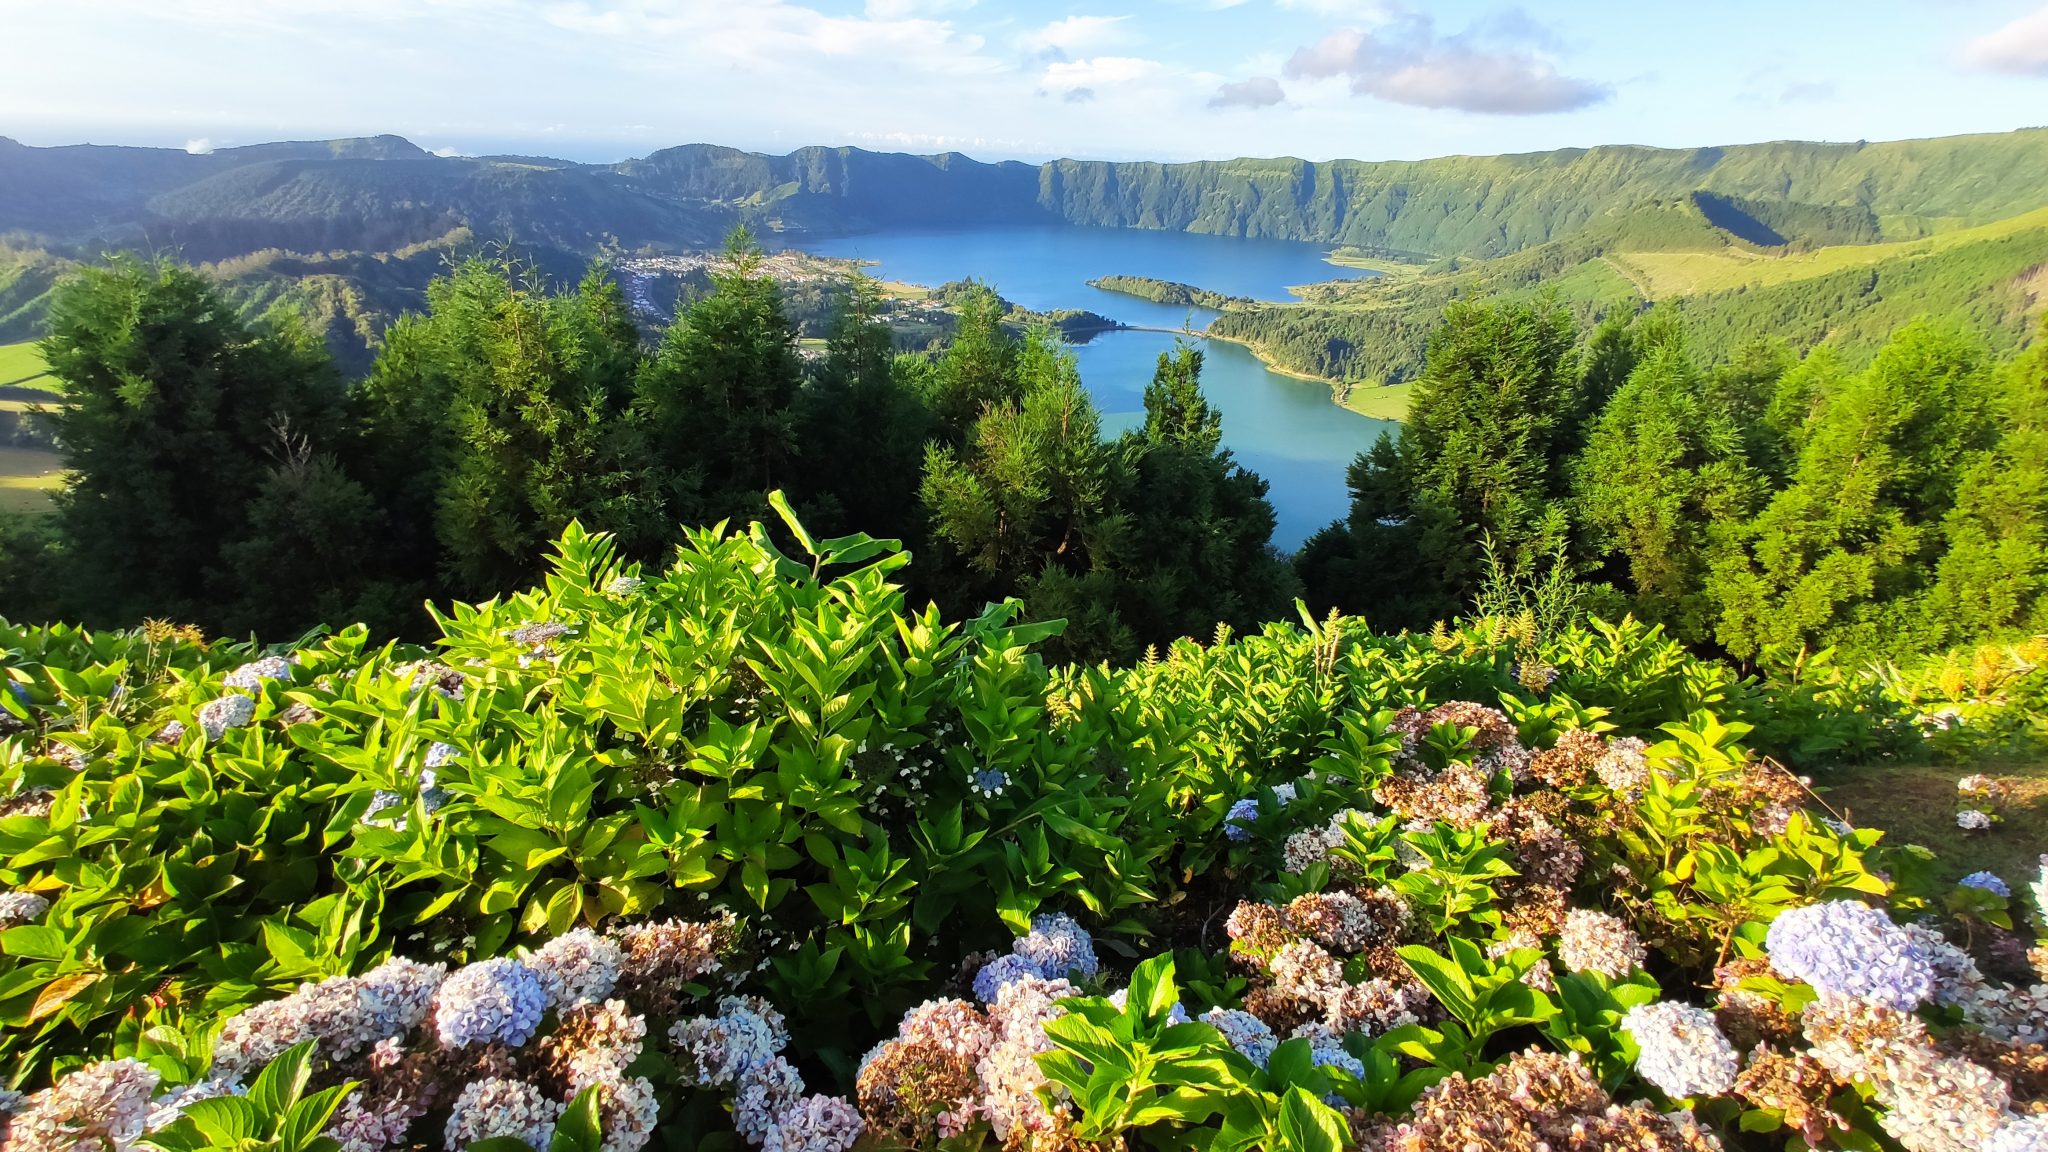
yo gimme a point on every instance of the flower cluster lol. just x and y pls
(1348, 922)
(1533, 1100)
(104, 1105)
(1245, 1032)
(1680, 1049)
(1987, 881)
(1596, 942)
(496, 1107)
(1848, 948)
(21, 908)
(1973, 820)
(1933, 1103)
(912, 1085)
(578, 967)
(1055, 947)
(493, 1001)
(233, 710)
(344, 1014)
(1623, 767)
(250, 677)
(739, 1050)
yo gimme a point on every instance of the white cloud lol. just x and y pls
(199, 147)
(1099, 72)
(1075, 35)
(1491, 68)
(1256, 92)
(2021, 46)
(902, 9)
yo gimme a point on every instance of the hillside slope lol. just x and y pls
(1727, 287)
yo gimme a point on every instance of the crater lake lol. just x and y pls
(1285, 429)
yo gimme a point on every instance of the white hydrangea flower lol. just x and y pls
(1972, 820)
(231, 711)
(814, 1124)
(21, 908)
(577, 967)
(250, 677)
(1245, 1032)
(494, 1107)
(1681, 1049)
(1593, 941)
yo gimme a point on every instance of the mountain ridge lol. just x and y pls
(350, 192)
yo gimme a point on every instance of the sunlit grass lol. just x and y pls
(27, 477)
(21, 366)
(1667, 274)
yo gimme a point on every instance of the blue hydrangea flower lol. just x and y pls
(1238, 821)
(384, 801)
(500, 999)
(1989, 882)
(2019, 1134)
(1056, 946)
(439, 754)
(999, 974)
(1851, 949)
(988, 783)
(432, 795)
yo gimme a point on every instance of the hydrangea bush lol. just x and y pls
(746, 850)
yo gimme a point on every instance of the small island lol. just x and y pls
(1169, 292)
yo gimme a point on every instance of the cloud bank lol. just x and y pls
(2019, 47)
(1494, 68)
(1257, 92)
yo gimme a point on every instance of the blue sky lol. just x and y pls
(1159, 79)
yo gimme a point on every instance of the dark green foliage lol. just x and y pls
(1841, 554)
(1167, 292)
(186, 430)
(716, 400)
(1158, 536)
(979, 368)
(1662, 474)
(1481, 461)
(863, 423)
(1769, 506)
(1198, 548)
(1175, 411)
(495, 421)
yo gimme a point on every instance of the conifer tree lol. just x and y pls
(716, 402)
(178, 418)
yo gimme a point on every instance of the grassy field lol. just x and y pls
(1916, 804)
(1666, 274)
(1388, 402)
(21, 366)
(27, 476)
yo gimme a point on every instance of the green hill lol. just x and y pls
(1727, 286)
(370, 194)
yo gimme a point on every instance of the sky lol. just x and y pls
(602, 80)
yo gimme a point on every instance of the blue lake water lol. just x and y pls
(1285, 429)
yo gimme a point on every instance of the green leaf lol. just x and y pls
(1153, 992)
(579, 1129)
(277, 1087)
(225, 1120)
(304, 1122)
(1309, 1125)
